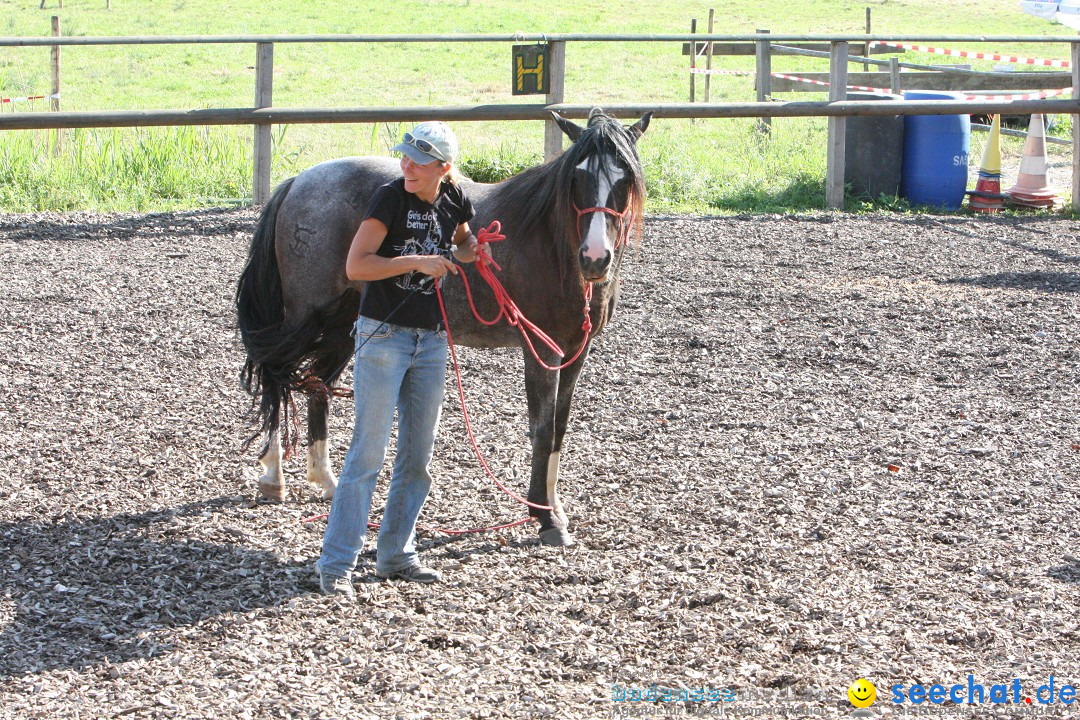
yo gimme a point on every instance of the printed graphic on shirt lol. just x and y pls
(426, 240)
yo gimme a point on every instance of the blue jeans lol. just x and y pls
(400, 367)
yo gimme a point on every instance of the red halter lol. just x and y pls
(625, 219)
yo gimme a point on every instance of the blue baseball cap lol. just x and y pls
(428, 142)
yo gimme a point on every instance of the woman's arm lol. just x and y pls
(365, 264)
(466, 243)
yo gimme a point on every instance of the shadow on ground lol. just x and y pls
(1039, 281)
(76, 592)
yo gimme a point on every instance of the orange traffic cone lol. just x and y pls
(1031, 189)
(987, 196)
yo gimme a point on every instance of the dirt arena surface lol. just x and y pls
(810, 448)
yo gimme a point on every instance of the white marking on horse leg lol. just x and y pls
(272, 480)
(558, 515)
(318, 468)
(594, 244)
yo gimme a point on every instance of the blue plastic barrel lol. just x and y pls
(935, 169)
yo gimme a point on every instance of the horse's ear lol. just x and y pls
(572, 130)
(638, 129)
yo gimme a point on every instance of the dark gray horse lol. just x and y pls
(566, 224)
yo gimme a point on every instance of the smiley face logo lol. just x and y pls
(862, 693)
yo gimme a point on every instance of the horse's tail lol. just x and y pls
(274, 351)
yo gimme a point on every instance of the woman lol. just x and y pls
(400, 251)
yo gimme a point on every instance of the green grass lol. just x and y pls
(692, 166)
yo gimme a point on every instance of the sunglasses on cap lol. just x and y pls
(423, 146)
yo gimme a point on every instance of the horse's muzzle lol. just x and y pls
(594, 270)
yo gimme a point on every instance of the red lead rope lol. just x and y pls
(465, 413)
(508, 309)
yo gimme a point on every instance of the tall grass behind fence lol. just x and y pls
(691, 166)
(125, 169)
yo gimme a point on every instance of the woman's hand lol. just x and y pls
(468, 249)
(433, 265)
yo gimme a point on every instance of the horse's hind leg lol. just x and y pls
(319, 473)
(272, 480)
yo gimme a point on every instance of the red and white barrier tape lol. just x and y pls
(978, 55)
(983, 96)
(1023, 96)
(704, 71)
(825, 84)
(29, 99)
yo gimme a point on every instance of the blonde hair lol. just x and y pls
(454, 176)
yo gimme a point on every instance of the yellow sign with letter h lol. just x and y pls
(530, 70)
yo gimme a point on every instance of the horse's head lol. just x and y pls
(606, 185)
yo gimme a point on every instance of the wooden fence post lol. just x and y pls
(763, 63)
(1075, 129)
(894, 75)
(693, 57)
(866, 48)
(264, 97)
(54, 103)
(834, 173)
(54, 100)
(708, 57)
(553, 136)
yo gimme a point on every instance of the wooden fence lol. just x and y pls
(263, 114)
(891, 76)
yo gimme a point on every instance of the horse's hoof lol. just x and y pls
(556, 537)
(272, 491)
(328, 484)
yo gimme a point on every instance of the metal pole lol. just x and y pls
(834, 173)
(942, 40)
(533, 112)
(763, 64)
(264, 97)
(553, 136)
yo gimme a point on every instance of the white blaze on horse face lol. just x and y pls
(594, 243)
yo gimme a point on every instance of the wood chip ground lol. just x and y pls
(811, 448)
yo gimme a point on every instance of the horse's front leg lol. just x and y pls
(549, 395)
(568, 378)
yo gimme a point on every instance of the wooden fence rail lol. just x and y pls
(263, 114)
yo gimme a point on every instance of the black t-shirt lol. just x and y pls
(414, 228)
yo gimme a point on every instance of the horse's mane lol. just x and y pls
(540, 197)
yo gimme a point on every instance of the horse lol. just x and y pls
(567, 224)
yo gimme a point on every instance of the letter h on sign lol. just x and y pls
(530, 70)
